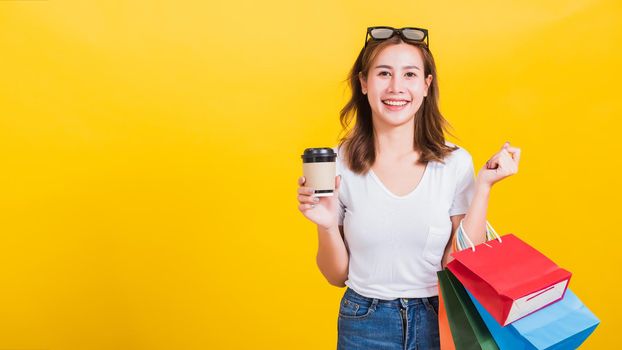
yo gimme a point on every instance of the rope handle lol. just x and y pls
(463, 241)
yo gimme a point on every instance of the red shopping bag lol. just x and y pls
(508, 277)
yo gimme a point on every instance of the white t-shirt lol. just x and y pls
(395, 242)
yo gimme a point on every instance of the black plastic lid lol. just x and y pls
(317, 155)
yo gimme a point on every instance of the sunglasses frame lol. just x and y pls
(399, 31)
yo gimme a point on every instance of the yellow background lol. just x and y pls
(150, 152)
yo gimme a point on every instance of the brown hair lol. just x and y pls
(430, 125)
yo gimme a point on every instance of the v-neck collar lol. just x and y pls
(411, 193)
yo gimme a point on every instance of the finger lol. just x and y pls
(505, 153)
(301, 180)
(512, 153)
(308, 199)
(493, 162)
(507, 165)
(306, 190)
(337, 182)
(303, 207)
(515, 153)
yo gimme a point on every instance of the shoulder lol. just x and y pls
(337, 150)
(339, 162)
(458, 158)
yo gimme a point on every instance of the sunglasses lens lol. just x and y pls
(413, 34)
(381, 33)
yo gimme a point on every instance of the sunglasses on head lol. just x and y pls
(419, 35)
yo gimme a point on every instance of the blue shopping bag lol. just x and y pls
(562, 325)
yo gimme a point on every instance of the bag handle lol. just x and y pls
(463, 241)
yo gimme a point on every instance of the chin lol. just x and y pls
(397, 121)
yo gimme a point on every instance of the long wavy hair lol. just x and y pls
(430, 126)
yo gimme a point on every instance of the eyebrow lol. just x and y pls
(389, 67)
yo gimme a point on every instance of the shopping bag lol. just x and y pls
(447, 341)
(508, 277)
(467, 327)
(562, 325)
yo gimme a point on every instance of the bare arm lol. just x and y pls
(455, 221)
(474, 222)
(503, 164)
(332, 255)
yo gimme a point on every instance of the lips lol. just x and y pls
(395, 104)
(392, 102)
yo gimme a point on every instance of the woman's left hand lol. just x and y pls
(501, 165)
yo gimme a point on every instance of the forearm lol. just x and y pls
(332, 256)
(474, 223)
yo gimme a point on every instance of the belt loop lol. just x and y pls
(374, 303)
(404, 302)
(427, 303)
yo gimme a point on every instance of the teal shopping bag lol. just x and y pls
(562, 325)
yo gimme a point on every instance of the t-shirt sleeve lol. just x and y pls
(465, 188)
(342, 211)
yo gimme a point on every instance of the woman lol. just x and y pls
(400, 194)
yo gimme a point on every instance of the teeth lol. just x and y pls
(396, 103)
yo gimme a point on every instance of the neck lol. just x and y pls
(394, 142)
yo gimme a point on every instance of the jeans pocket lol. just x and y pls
(432, 305)
(355, 309)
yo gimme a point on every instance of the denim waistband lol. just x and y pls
(404, 302)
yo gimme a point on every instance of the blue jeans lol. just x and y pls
(376, 324)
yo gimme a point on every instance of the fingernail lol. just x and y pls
(316, 199)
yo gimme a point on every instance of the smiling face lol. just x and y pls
(395, 84)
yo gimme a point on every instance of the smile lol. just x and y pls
(395, 104)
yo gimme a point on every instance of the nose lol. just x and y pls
(397, 85)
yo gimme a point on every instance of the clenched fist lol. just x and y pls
(501, 165)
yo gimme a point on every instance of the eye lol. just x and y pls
(411, 74)
(383, 73)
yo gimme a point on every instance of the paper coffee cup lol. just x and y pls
(319, 170)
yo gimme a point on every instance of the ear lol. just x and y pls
(428, 81)
(363, 80)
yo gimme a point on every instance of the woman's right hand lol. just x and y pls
(323, 212)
